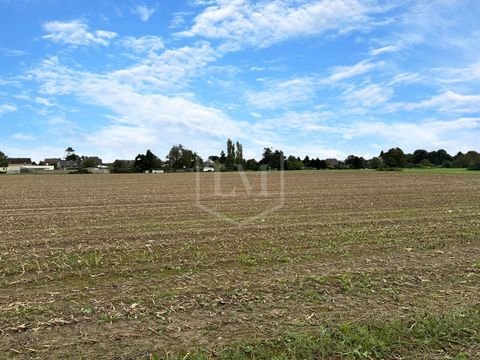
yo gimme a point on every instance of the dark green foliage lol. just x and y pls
(395, 158)
(230, 160)
(468, 160)
(375, 163)
(273, 160)
(355, 162)
(180, 157)
(123, 166)
(147, 162)
(293, 163)
(70, 154)
(239, 161)
(3, 160)
(252, 165)
(223, 157)
(90, 161)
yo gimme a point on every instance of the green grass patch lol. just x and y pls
(448, 335)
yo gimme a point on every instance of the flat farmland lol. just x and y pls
(355, 264)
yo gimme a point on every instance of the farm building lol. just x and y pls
(19, 161)
(24, 169)
(99, 170)
(67, 164)
(331, 162)
(51, 161)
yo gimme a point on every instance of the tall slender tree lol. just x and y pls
(230, 161)
(239, 161)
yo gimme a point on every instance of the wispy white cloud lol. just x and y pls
(170, 70)
(339, 73)
(446, 102)
(141, 119)
(451, 101)
(143, 44)
(178, 19)
(6, 108)
(453, 135)
(12, 52)
(385, 50)
(43, 101)
(241, 22)
(454, 75)
(283, 94)
(144, 12)
(23, 137)
(406, 78)
(368, 96)
(76, 33)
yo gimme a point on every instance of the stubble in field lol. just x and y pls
(130, 265)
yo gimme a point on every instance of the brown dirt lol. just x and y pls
(126, 265)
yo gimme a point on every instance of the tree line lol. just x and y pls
(181, 158)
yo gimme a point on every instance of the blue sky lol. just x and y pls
(310, 77)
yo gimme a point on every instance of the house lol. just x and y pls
(51, 161)
(67, 164)
(25, 169)
(209, 163)
(99, 170)
(19, 161)
(331, 162)
(209, 166)
(14, 165)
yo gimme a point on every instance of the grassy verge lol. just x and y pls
(455, 335)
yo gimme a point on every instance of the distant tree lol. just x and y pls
(239, 161)
(375, 163)
(197, 161)
(306, 162)
(175, 157)
(187, 159)
(223, 157)
(433, 158)
(443, 157)
(70, 154)
(425, 163)
(147, 162)
(180, 157)
(293, 163)
(468, 160)
(230, 161)
(273, 159)
(419, 155)
(252, 165)
(88, 162)
(395, 158)
(267, 157)
(3, 160)
(319, 164)
(123, 166)
(214, 158)
(355, 162)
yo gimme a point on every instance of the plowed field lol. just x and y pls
(127, 266)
